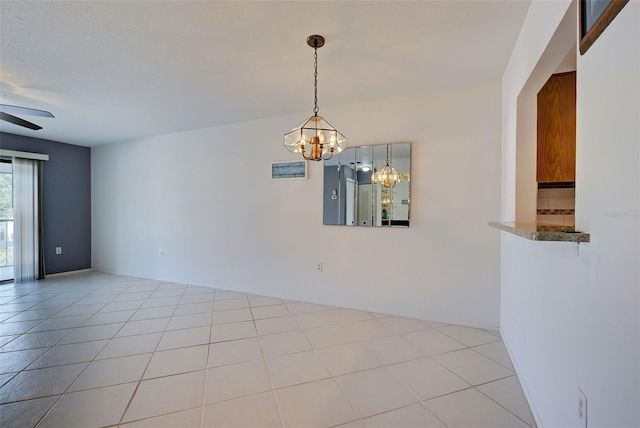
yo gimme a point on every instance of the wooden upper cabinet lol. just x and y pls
(556, 160)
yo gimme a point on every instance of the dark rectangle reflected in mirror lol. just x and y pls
(368, 186)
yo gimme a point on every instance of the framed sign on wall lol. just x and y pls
(289, 169)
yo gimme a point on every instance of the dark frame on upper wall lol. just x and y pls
(595, 16)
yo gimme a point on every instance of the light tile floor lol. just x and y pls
(94, 349)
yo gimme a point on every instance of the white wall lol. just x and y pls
(571, 319)
(526, 158)
(206, 198)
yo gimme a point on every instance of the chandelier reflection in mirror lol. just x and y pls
(387, 176)
(315, 138)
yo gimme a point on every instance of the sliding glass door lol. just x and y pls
(6, 221)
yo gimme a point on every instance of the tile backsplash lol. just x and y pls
(556, 206)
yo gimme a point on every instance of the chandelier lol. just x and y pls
(387, 176)
(315, 138)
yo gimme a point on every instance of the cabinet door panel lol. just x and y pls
(556, 160)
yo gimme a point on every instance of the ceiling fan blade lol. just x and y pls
(17, 121)
(24, 110)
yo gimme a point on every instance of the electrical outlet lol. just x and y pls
(582, 408)
(58, 250)
(161, 252)
(319, 266)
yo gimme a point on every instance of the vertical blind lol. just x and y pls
(26, 214)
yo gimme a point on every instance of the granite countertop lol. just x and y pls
(542, 232)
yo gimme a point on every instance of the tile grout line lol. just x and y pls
(139, 382)
(480, 391)
(494, 360)
(206, 364)
(333, 379)
(266, 367)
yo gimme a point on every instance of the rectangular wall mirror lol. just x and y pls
(368, 186)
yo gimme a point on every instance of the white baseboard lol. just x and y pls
(527, 395)
(73, 272)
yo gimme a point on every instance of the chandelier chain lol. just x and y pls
(315, 80)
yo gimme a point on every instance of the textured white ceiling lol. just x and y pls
(113, 71)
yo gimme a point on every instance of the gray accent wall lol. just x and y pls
(66, 200)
